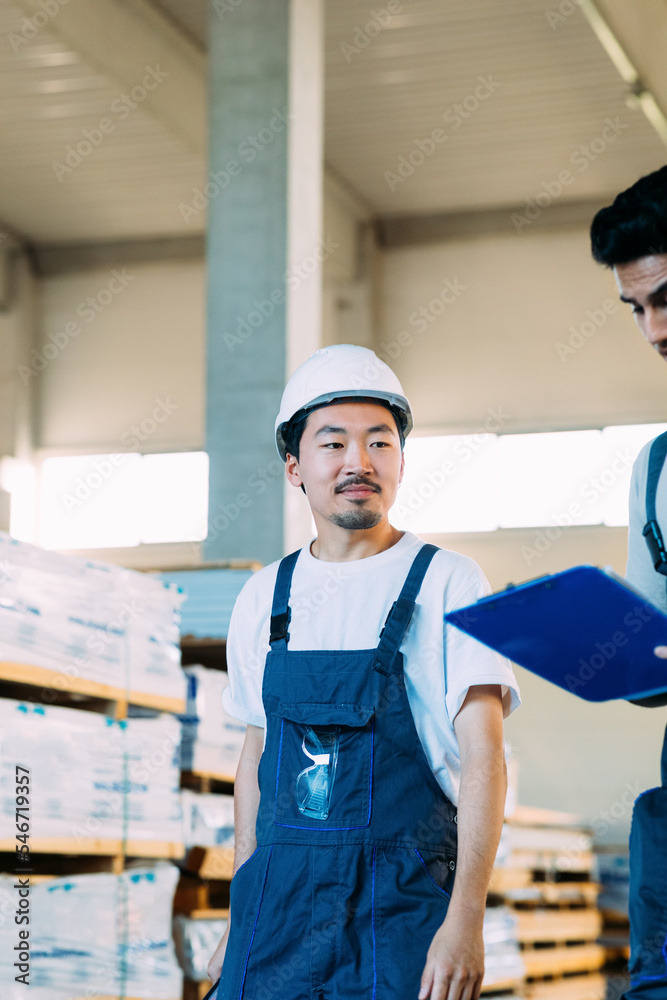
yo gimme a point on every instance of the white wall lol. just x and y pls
(16, 330)
(495, 344)
(146, 344)
(493, 347)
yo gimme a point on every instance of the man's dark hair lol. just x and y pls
(295, 428)
(293, 432)
(635, 224)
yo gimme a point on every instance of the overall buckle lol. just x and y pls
(279, 625)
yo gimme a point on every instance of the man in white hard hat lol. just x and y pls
(370, 793)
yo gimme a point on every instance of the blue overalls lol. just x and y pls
(356, 840)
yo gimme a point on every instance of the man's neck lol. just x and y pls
(335, 544)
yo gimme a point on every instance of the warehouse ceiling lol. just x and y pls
(443, 106)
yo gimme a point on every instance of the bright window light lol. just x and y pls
(174, 497)
(90, 501)
(543, 479)
(621, 445)
(118, 501)
(19, 480)
(448, 485)
(480, 482)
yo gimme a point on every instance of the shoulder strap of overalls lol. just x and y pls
(651, 532)
(401, 610)
(280, 609)
(664, 760)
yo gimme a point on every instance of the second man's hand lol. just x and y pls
(661, 652)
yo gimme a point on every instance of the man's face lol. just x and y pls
(643, 283)
(350, 462)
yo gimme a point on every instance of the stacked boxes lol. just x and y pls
(95, 935)
(91, 776)
(212, 739)
(89, 620)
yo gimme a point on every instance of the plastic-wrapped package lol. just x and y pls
(212, 739)
(89, 619)
(208, 819)
(95, 935)
(91, 776)
(612, 870)
(195, 941)
(502, 957)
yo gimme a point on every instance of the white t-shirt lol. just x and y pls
(343, 605)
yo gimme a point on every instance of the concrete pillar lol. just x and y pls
(264, 256)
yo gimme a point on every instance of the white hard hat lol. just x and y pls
(343, 371)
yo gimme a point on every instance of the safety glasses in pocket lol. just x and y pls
(314, 784)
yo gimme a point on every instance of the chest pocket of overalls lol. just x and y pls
(324, 773)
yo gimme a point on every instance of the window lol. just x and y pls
(481, 482)
(116, 501)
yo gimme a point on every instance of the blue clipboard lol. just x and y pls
(584, 629)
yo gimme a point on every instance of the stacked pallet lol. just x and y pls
(543, 872)
(94, 935)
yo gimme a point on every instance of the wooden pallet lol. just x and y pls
(205, 782)
(561, 959)
(197, 895)
(209, 915)
(558, 925)
(560, 894)
(195, 991)
(59, 681)
(211, 862)
(99, 847)
(505, 987)
(524, 882)
(534, 816)
(585, 986)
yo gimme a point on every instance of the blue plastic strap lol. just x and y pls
(280, 610)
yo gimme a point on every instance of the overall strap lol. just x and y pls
(651, 532)
(280, 610)
(401, 610)
(664, 760)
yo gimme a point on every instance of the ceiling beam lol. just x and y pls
(409, 230)
(633, 35)
(122, 39)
